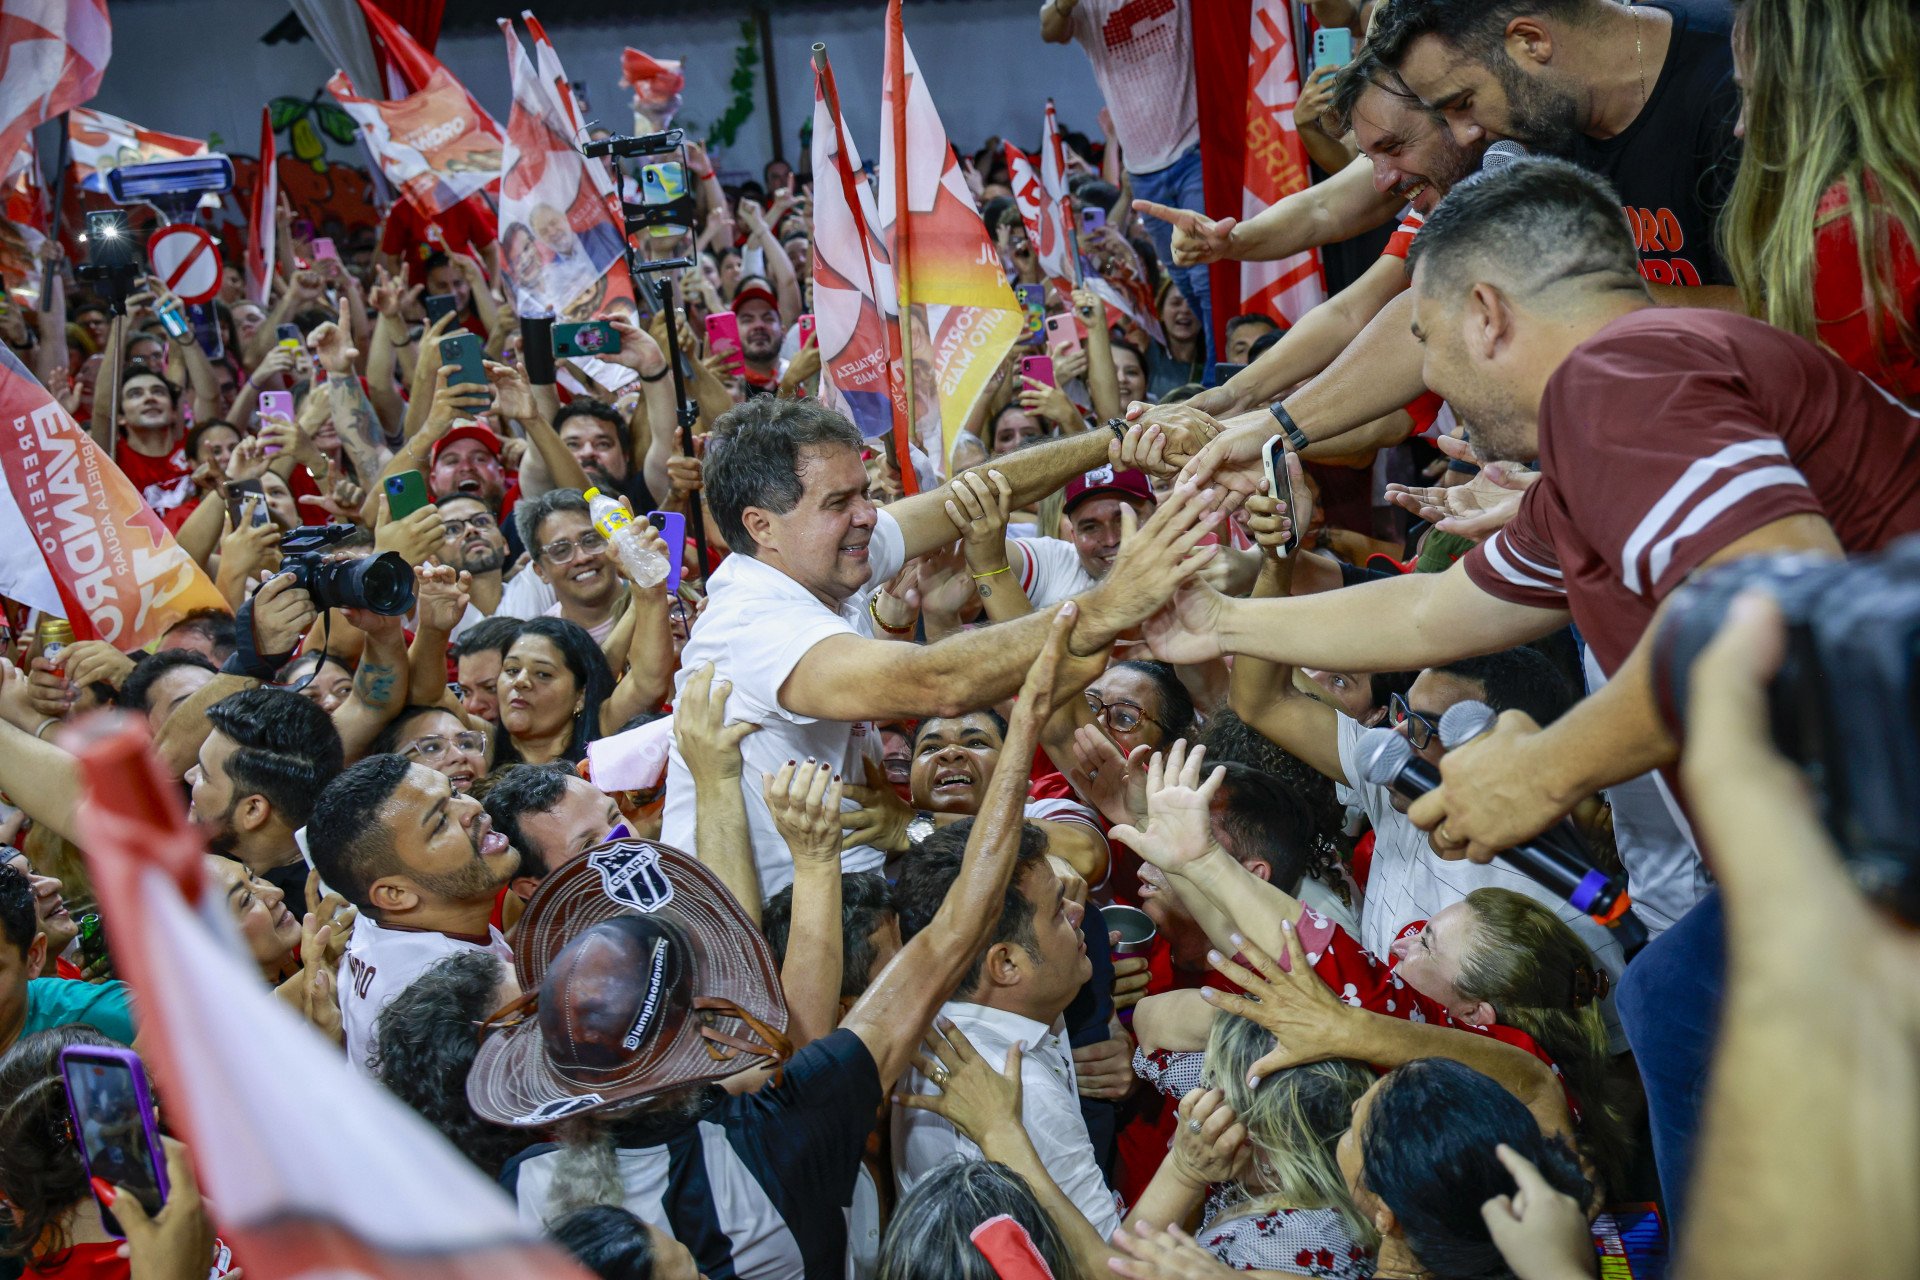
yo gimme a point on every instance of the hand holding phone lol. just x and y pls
(1273, 459)
(723, 339)
(467, 357)
(1064, 331)
(406, 494)
(114, 1124)
(1039, 368)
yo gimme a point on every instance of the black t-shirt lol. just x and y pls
(756, 1186)
(1674, 165)
(290, 878)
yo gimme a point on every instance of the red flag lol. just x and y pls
(52, 55)
(75, 536)
(262, 217)
(853, 295)
(407, 64)
(314, 1169)
(656, 85)
(1275, 166)
(963, 316)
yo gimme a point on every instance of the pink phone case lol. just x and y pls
(723, 338)
(806, 330)
(1063, 331)
(1039, 368)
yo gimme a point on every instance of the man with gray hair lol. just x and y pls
(789, 624)
(572, 574)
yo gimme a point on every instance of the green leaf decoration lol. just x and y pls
(282, 112)
(336, 124)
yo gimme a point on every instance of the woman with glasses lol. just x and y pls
(440, 740)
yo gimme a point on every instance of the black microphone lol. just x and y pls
(1387, 760)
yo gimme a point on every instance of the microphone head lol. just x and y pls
(1383, 754)
(1465, 721)
(1501, 154)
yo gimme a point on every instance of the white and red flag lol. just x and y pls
(1046, 208)
(951, 283)
(310, 1168)
(98, 143)
(262, 221)
(657, 84)
(52, 55)
(1275, 166)
(433, 145)
(854, 301)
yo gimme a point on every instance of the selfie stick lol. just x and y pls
(685, 412)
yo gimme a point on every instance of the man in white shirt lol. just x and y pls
(1053, 569)
(1016, 993)
(788, 622)
(422, 864)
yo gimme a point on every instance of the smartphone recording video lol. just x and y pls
(113, 1124)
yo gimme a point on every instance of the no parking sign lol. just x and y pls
(185, 259)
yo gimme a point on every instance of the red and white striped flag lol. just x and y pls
(313, 1169)
(52, 55)
(98, 143)
(1048, 217)
(1276, 166)
(263, 223)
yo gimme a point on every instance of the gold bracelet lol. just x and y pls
(991, 572)
(873, 611)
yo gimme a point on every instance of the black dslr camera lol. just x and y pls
(114, 265)
(1846, 702)
(380, 584)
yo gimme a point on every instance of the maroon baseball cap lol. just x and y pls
(468, 431)
(640, 975)
(1105, 482)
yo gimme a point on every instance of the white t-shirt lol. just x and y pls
(381, 963)
(1142, 56)
(1409, 883)
(1049, 569)
(526, 595)
(757, 625)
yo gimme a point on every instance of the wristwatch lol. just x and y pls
(920, 828)
(1294, 434)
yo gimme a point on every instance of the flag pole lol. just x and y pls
(902, 243)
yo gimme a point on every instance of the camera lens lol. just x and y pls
(382, 584)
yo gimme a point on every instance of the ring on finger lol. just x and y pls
(1193, 1126)
(939, 1076)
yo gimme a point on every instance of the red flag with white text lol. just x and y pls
(75, 537)
(1275, 166)
(262, 217)
(311, 1168)
(52, 55)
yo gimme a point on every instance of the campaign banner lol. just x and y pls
(98, 143)
(1044, 220)
(854, 302)
(963, 313)
(76, 539)
(561, 245)
(434, 146)
(1275, 166)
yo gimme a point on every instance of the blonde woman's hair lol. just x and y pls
(1832, 96)
(1294, 1120)
(1540, 978)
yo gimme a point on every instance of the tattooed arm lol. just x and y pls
(379, 682)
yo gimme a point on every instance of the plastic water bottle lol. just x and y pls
(644, 566)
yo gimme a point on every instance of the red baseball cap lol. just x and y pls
(756, 289)
(468, 431)
(1105, 482)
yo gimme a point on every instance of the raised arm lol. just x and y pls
(805, 802)
(379, 682)
(36, 775)
(711, 748)
(513, 398)
(900, 1002)
(1032, 474)
(1056, 20)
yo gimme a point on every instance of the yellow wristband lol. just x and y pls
(991, 572)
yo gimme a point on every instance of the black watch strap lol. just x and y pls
(1119, 428)
(1294, 434)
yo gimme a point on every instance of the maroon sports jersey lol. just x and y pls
(1673, 432)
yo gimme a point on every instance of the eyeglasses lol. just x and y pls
(1121, 717)
(430, 751)
(677, 613)
(1420, 729)
(481, 522)
(561, 550)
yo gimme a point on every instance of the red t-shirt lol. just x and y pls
(98, 1260)
(1673, 432)
(1842, 302)
(164, 483)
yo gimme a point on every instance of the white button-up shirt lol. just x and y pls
(1049, 1110)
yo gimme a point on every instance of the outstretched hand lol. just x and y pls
(805, 802)
(1196, 237)
(1307, 1020)
(1179, 809)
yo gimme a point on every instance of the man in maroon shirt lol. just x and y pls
(1668, 439)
